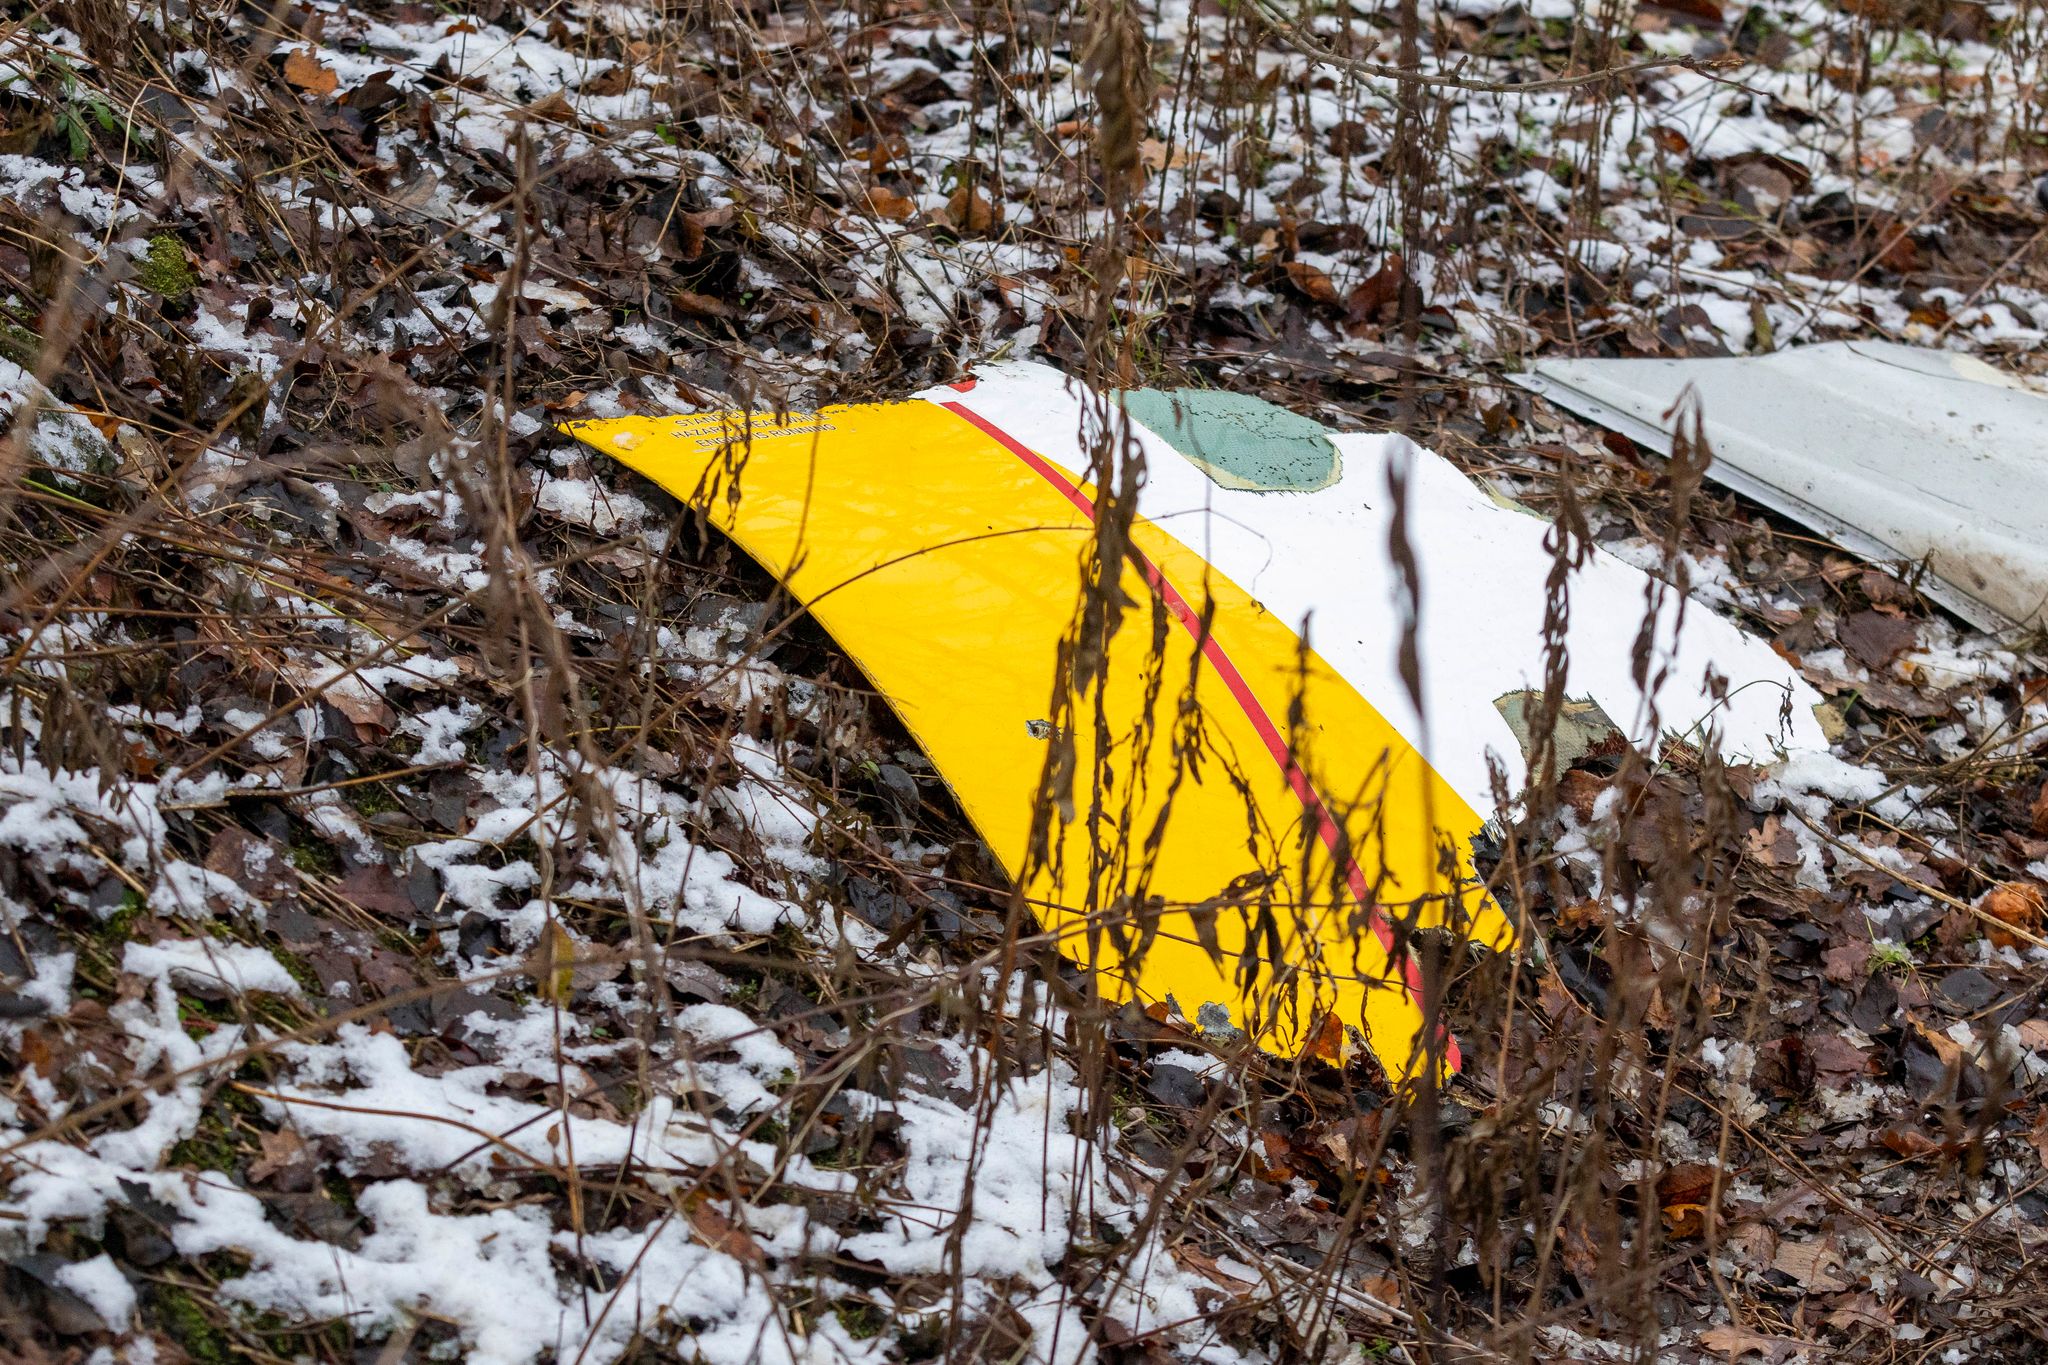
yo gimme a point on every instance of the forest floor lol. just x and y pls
(442, 919)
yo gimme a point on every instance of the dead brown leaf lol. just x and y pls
(2019, 904)
(2037, 1137)
(693, 228)
(287, 1160)
(553, 964)
(886, 203)
(1352, 1142)
(1946, 1049)
(303, 71)
(1876, 638)
(692, 304)
(1581, 915)
(261, 867)
(1814, 1266)
(1682, 1221)
(373, 889)
(355, 699)
(1846, 962)
(1580, 1250)
(1331, 1042)
(613, 80)
(1736, 1342)
(1313, 283)
(1684, 1194)
(720, 1233)
(1859, 1310)
(1836, 1062)
(1753, 1244)
(1671, 140)
(1772, 843)
(1377, 298)
(1155, 155)
(1701, 11)
(969, 210)
(553, 107)
(1273, 1158)
(1907, 1142)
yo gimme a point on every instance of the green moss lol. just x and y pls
(210, 1148)
(340, 1193)
(315, 858)
(371, 798)
(278, 1011)
(308, 979)
(101, 942)
(183, 1318)
(285, 1337)
(19, 345)
(119, 926)
(163, 271)
(840, 1158)
(862, 1321)
(214, 1144)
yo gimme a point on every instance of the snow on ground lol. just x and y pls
(495, 1277)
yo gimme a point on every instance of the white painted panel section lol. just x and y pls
(1323, 557)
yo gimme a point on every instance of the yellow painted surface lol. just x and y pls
(949, 568)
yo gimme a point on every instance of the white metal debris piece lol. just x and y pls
(1898, 453)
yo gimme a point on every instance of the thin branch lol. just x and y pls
(1933, 893)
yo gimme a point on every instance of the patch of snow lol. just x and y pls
(209, 962)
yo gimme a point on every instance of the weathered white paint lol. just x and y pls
(1898, 453)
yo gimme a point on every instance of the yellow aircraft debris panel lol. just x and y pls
(1245, 829)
